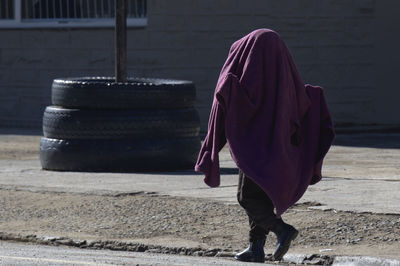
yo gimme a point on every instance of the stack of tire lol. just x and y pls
(96, 124)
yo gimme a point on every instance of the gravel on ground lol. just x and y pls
(174, 221)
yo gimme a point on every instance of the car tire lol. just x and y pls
(61, 123)
(136, 93)
(118, 155)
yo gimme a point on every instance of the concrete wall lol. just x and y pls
(332, 41)
(387, 36)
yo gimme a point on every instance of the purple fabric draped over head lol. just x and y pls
(277, 128)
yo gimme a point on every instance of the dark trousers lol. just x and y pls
(258, 207)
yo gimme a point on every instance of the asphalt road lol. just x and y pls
(30, 254)
(12, 253)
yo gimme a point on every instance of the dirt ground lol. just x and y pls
(188, 222)
(181, 222)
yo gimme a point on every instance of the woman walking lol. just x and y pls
(278, 131)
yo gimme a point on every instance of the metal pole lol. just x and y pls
(120, 41)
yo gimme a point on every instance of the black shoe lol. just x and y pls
(285, 234)
(254, 253)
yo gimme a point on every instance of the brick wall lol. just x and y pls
(31, 59)
(332, 41)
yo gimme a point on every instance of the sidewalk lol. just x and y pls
(360, 178)
(361, 174)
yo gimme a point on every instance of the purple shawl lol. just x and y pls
(277, 128)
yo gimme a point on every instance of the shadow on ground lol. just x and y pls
(21, 131)
(223, 171)
(369, 140)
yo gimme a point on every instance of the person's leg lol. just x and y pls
(258, 207)
(256, 231)
(285, 233)
(260, 211)
(262, 219)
